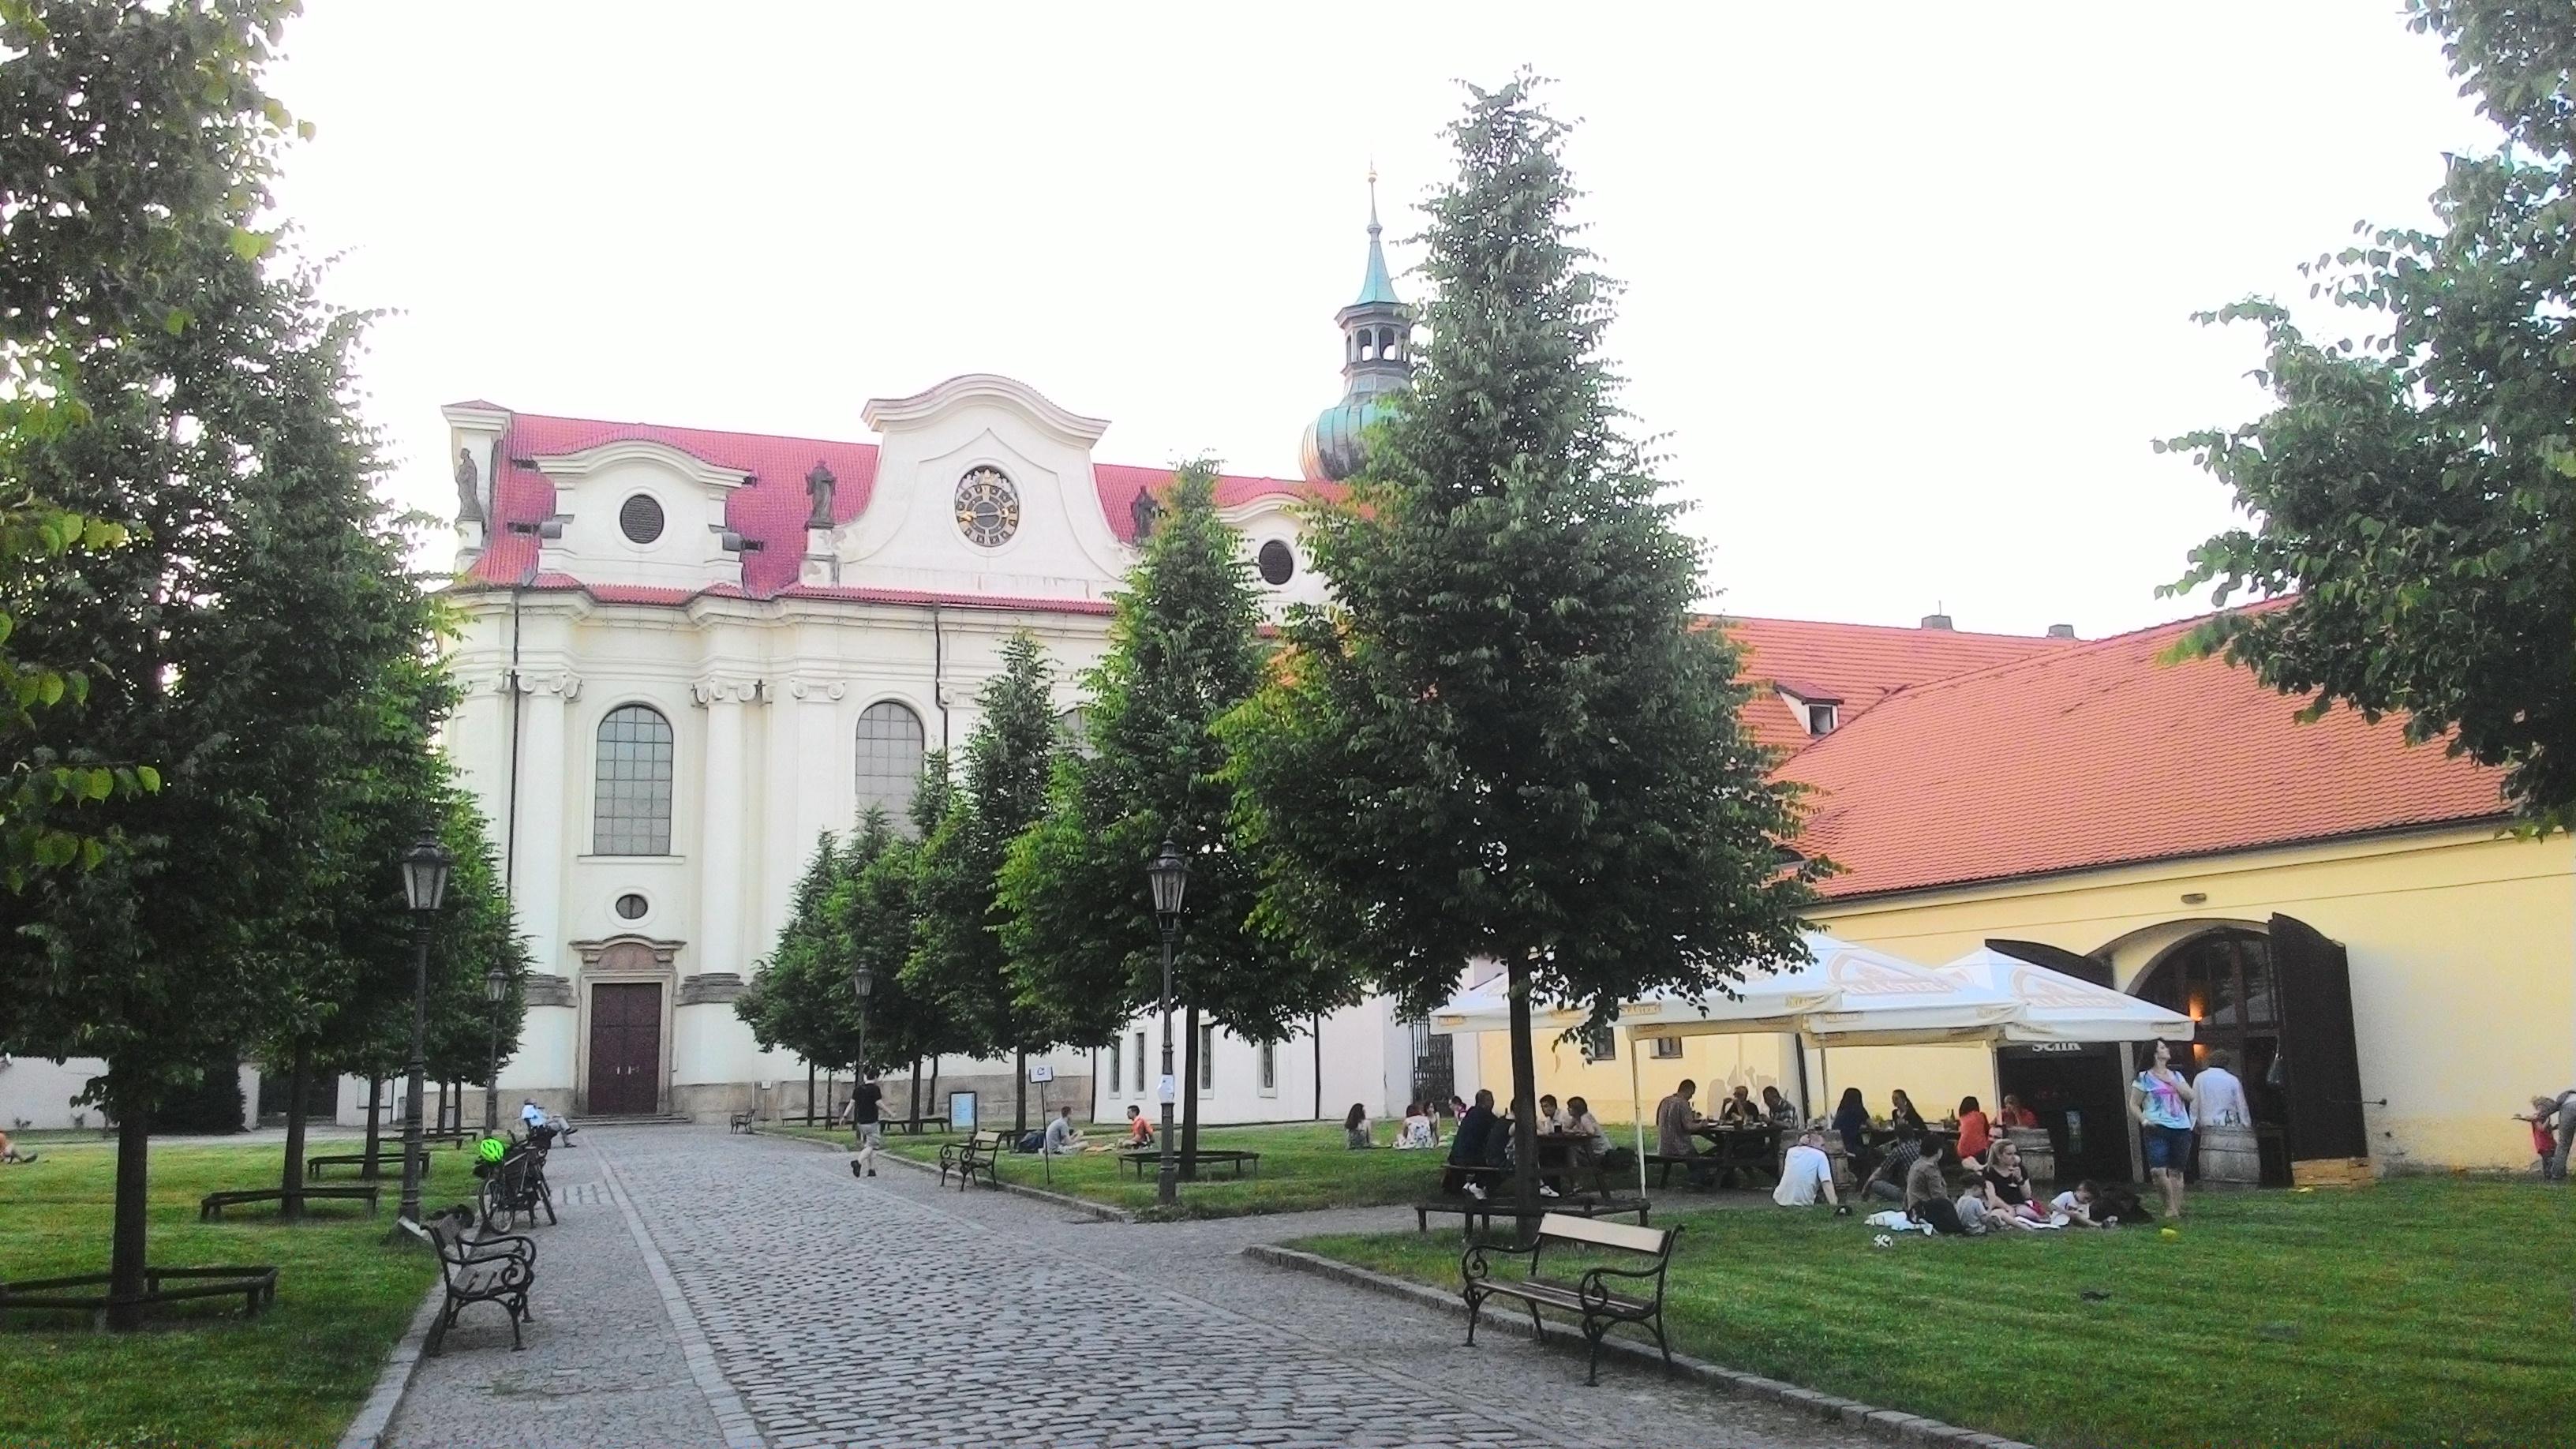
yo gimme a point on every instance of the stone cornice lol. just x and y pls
(562, 681)
(628, 450)
(811, 690)
(727, 689)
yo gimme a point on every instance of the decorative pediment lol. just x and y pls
(628, 956)
(563, 468)
(888, 415)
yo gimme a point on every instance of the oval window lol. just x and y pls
(1278, 562)
(641, 519)
(631, 907)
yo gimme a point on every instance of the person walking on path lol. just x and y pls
(2161, 1101)
(868, 1125)
(2218, 1098)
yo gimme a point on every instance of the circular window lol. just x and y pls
(641, 519)
(988, 507)
(1278, 562)
(631, 907)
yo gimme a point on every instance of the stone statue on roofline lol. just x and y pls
(820, 485)
(469, 488)
(1144, 513)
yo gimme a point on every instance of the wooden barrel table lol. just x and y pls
(2229, 1158)
(2038, 1154)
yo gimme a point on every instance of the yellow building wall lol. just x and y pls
(2462, 946)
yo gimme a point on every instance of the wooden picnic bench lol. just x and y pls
(211, 1207)
(978, 1153)
(1137, 1157)
(1591, 1297)
(1472, 1211)
(499, 1269)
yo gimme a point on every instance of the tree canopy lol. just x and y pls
(2410, 489)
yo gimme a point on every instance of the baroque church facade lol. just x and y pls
(686, 654)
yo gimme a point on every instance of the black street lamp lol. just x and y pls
(496, 989)
(1169, 872)
(424, 875)
(862, 982)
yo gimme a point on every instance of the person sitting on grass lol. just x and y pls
(1927, 1192)
(1063, 1139)
(1140, 1129)
(9, 1151)
(1807, 1174)
(2077, 1204)
(1887, 1180)
(1358, 1132)
(1417, 1132)
(2006, 1189)
(1468, 1146)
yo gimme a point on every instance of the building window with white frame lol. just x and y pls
(1668, 1048)
(631, 814)
(1207, 1059)
(890, 754)
(1140, 1061)
(1601, 1043)
(1114, 1077)
(1270, 1067)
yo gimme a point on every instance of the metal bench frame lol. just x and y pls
(1591, 1297)
(979, 1153)
(211, 1207)
(499, 1268)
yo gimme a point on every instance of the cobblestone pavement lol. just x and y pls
(604, 1365)
(887, 1312)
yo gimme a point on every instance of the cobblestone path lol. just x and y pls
(886, 1312)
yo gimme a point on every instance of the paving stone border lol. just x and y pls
(741, 1430)
(367, 1431)
(1101, 1211)
(1890, 1424)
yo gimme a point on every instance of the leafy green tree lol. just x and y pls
(2411, 490)
(1184, 648)
(198, 399)
(1505, 738)
(958, 965)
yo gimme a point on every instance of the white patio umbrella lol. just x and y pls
(2059, 1007)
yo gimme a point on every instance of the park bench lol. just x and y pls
(916, 1125)
(1592, 1297)
(389, 1157)
(211, 1207)
(256, 1286)
(976, 1154)
(1472, 1212)
(515, 1187)
(500, 1268)
(738, 1122)
(1138, 1157)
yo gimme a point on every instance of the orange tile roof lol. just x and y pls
(1855, 664)
(2096, 754)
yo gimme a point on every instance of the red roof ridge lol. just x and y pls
(2046, 658)
(515, 416)
(1908, 631)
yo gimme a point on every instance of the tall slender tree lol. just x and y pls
(1505, 738)
(958, 963)
(1184, 648)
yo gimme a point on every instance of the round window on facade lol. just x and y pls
(641, 519)
(1278, 562)
(631, 907)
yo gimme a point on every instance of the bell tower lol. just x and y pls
(1377, 359)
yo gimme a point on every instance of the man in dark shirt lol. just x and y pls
(864, 1120)
(1887, 1180)
(1472, 1145)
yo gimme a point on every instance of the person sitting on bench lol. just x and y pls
(1468, 1147)
(1140, 1130)
(1674, 1119)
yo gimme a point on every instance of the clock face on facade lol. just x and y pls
(988, 507)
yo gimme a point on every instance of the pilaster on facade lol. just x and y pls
(562, 684)
(716, 689)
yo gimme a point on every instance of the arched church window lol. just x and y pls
(1073, 730)
(632, 812)
(890, 754)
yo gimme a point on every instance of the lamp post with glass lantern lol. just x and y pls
(1169, 873)
(862, 982)
(424, 874)
(496, 989)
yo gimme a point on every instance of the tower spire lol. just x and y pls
(1377, 358)
(1376, 289)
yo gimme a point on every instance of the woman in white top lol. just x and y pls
(2218, 1098)
(1417, 1128)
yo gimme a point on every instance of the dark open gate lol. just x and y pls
(2320, 1064)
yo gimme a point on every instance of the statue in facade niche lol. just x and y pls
(820, 485)
(1144, 513)
(469, 488)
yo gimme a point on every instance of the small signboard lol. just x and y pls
(1041, 1072)
(1166, 1089)
(961, 1111)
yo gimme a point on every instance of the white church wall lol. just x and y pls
(36, 1093)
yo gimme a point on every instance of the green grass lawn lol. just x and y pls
(2419, 1311)
(1303, 1166)
(293, 1376)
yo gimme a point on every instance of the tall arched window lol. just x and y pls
(632, 814)
(1073, 730)
(890, 741)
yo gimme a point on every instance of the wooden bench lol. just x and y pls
(738, 1122)
(1471, 1211)
(978, 1153)
(389, 1157)
(256, 1285)
(211, 1207)
(1591, 1297)
(497, 1269)
(915, 1125)
(1137, 1157)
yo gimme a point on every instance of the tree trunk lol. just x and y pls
(1317, 1027)
(913, 1110)
(291, 1179)
(1020, 1093)
(809, 1094)
(126, 1253)
(375, 1125)
(1189, 1088)
(934, 1084)
(1524, 1098)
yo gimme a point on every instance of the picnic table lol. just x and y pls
(1137, 1157)
(1740, 1149)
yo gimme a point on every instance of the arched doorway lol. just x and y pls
(2224, 980)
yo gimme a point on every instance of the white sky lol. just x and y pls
(1908, 289)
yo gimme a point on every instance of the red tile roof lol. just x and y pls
(771, 510)
(2096, 754)
(1854, 665)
